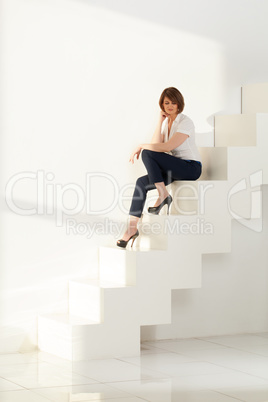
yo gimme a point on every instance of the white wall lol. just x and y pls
(80, 82)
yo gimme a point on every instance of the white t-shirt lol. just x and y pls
(182, 124)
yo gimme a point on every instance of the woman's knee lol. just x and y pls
(142, 185)
(141, 182)
(198, 173)
(146, 153)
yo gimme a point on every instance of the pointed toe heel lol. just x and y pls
(124, 243)
(155, 210)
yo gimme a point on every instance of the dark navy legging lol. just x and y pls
(161, 167)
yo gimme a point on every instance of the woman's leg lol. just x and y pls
(162, 193)
(143, 185)
(132, 227)
(163, 168)
(160, 165)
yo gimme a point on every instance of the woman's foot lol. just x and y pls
(129, 237)
(160, 199)
(155, 210)
(129, 232)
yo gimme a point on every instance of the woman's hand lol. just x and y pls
(162, 116)
(136, 152)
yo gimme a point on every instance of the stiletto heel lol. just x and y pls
(168, 209)
(134, 238)
(124, 243)
(156, 210)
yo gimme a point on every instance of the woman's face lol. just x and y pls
(171, 108)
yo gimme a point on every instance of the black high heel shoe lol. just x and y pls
(156, 210)
(123, 243)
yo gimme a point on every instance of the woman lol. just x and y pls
(171, 155)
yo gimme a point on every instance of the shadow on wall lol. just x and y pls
(209, 21)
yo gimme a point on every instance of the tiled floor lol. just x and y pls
(213, 369)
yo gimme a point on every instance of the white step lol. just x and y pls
(152, 290)
(152, 280)
(206, 232)
(247, 165)
(235, 130)
(75, 338)
(241, 130)
(255, 98)
(191, 236)
(56, 333)
(155, 275)
(117, 265)
(86, 298)
(140, 261)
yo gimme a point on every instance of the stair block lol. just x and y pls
(117, 265)
(255, 98)
(247, 165)
(235, 130)
(75, 338)
(86, 300)
(152, 281)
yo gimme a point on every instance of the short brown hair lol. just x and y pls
(174, 95)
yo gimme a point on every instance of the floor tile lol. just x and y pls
(21, 396)
(237, 341)
(167, 391)
(262, 334)
(94, 392)
(134, 399)
(217, 381)
(48, 358)
(208, 355)
(236, 360)
(110, 370)
(38, 375)
(211, 369)
(148, 349)
(17, 358)
(174, 365)
(183, 345)
(153, 391)
(6, 385)
(151, 359)
(261, 350)
(247, 363)
(249, 343)
(201, 396)
(247, 394)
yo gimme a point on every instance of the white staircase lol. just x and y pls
(134, 286)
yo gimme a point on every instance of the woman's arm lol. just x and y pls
(157, 136)
(175, 141)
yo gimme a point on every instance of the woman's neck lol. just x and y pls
(173, 117)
